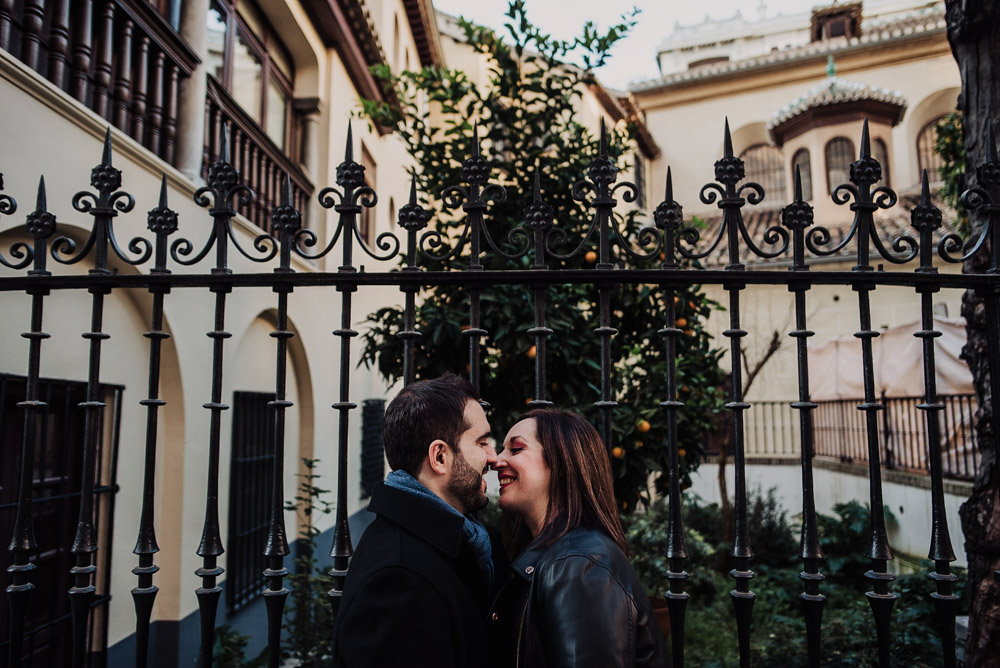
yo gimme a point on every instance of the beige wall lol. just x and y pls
(688, 122)
(44, 131)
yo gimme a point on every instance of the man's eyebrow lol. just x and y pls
(485, 436)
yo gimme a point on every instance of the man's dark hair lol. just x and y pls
(422, 413)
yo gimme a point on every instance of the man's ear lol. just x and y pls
(439, 457)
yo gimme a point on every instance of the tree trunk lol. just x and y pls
(973, 26)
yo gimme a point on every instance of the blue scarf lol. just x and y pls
(475, 532)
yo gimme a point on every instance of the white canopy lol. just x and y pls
(835, 366)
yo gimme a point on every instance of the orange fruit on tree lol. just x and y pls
(643, 426)
(532, 352)
(617, 452)
(591, 257)
(689, 332)
(681, 323)
(682, 453)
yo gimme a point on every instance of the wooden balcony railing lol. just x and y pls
(261, 164)
(119, 57)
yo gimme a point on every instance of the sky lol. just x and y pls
(634, 58)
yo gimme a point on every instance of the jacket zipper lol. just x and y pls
(520, 634)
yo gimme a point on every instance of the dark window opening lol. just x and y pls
(801, 160)
(640, 182)
(766, 166)
(56, 484)
(926, 157)
(372, 457)
(839, 155)
(838, 20)
(250, 472)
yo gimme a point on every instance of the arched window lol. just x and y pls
(926, 157)
(765, 165)
(881, 153)
(801, 160)
(839, 156)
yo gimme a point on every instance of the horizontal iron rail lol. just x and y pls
(505, 277)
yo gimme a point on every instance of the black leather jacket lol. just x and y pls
(575, 604)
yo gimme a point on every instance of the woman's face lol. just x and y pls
(524, 475)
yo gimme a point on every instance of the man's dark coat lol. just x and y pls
(415, 595)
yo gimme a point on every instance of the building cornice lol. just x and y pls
(346, 25)
(929, 26)
(424, 27)
(757, 73)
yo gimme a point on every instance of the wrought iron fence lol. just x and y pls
(539, 239)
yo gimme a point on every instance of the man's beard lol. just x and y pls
(466, 485)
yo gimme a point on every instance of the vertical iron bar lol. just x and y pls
(224, 184)
(285, 223)
(538, 218)
(730, 170)
(162, 222)
(603, 173)
(743, 598)
(103, 206)
(865, 172)
(342, 546)
(40, 224)
(211, 548)
(668, 217)
(412, 218)
(797, 216)
(350, 176)
(475, 172)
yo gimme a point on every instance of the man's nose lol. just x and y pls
(491, 457)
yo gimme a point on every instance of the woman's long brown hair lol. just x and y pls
(580, 488)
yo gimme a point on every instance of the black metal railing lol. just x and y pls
(618, 255)
(839, 432)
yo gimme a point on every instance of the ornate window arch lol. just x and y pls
(926, 157)
(839, 154)
(765, 165)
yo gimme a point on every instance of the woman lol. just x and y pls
(573, 599)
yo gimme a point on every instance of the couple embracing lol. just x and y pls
(428, 587)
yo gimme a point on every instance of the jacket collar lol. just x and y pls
(421, 517)
(525, 564)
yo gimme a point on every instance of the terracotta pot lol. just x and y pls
(662, 614)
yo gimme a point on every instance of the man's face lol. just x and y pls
(466, 484)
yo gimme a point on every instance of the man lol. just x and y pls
(419, 585)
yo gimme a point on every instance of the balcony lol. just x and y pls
(121, 59)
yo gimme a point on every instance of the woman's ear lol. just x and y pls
(439, 457)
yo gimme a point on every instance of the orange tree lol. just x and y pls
(527, 116)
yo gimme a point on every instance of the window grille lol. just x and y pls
(839, 156)
(926, 157)
(55, 504)
(250, 473)
(766, 166)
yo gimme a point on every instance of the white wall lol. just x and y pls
(908, 535)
